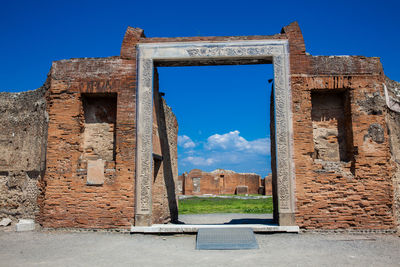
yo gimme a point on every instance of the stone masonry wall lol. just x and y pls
(23, 129)
(217, 182)
(393, 119)
(165, 169)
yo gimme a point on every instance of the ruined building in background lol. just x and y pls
(218, 182)
(95, 147)
(266, 183)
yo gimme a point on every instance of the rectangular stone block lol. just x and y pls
(95, 173)
(25, 225)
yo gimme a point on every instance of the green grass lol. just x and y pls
(197, 205)
(241, 195)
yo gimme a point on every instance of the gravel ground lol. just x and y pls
(58, 248)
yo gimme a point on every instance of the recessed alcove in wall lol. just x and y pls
(99, 126)
(332, 129)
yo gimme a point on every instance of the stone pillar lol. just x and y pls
(144, 145)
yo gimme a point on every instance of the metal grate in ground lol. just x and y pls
(226, 239)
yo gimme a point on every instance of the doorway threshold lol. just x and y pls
(193, 228)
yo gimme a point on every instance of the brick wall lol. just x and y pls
(267, 183)
(69, 200)
(217, 182)
(342, 194)
(86, 126)
(355, 192)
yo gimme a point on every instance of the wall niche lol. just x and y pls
(332, 128)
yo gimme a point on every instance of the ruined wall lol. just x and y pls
(180, 186)
(352, 187)
(23, 129)
(171, 160)
(267, 183)
(342, 168)
(165, 160)
(217, 182)
(89, 180)
(393, 119)
(91, 147)
(346, 176)
(338, 190)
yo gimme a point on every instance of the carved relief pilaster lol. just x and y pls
(144, 141)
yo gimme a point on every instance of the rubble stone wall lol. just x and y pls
(23, 129)
(394, 134)
(165, 169)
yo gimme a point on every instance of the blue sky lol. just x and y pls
(218, 110)
(223, 116)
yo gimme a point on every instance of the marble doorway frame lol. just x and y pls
(151, 55)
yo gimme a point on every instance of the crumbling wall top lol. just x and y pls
(346, 65)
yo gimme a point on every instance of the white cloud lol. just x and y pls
(226, 151)
(260, 146)
(185, 141)
(234, 142)
(200, 161)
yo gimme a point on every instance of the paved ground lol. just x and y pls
(58, 248)
(226, 218)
